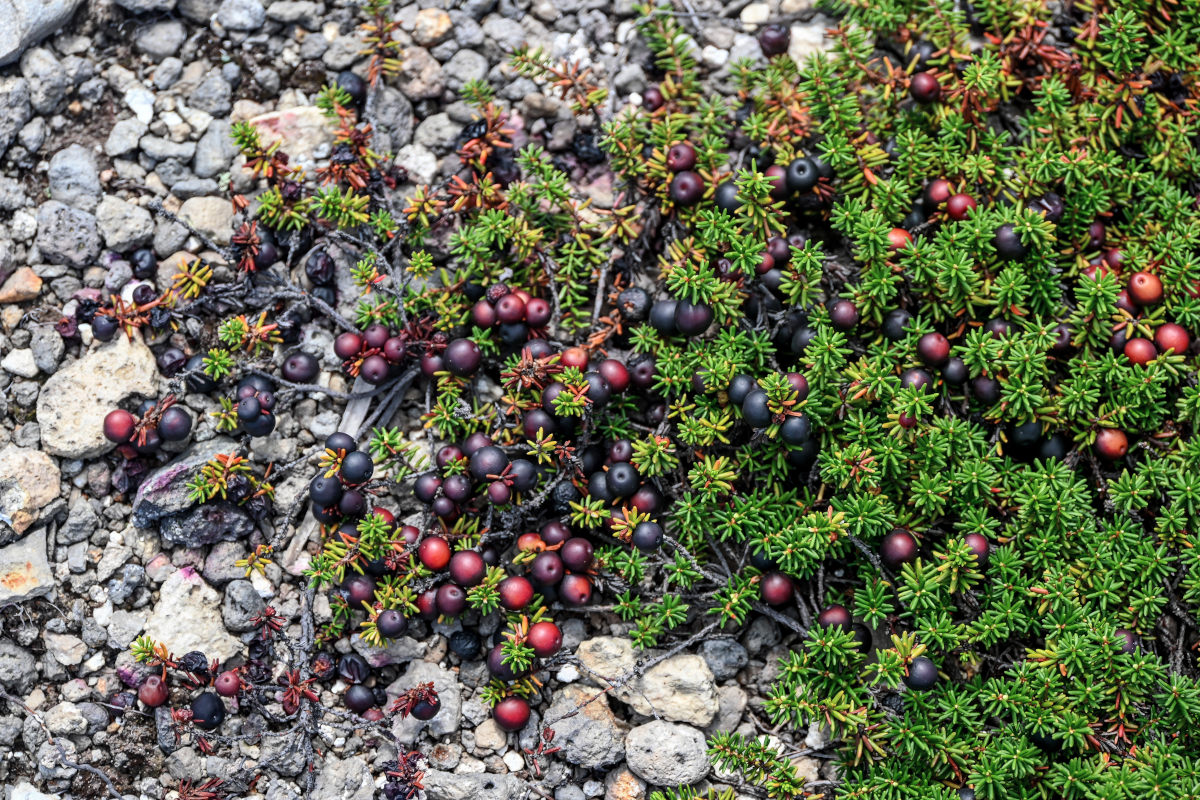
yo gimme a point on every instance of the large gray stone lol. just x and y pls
(188, 617)
(164, 491)
(667, 755)
(48, 81)
(74, 401)
(24, 23)
(680, 689)
(146, 6)
(241, 15)
(18, 667)
(242, 604)
(123, 225)
(67, 235)
(591, 737)
(344, 779)
(14, 99)
(75, 178)
(470, 786)
(28, 481)
(449, 692)
(25, 569)
(215, 151)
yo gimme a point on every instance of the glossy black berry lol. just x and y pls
(801, 175)
(634, 304)
(662, 317)
(300, 367)
(795, 430)
(692, 319)
(357, 467)
(340, 441)
(726, 197)
(774, 39)
(175, 424)
(647, 536)
(843, 315)
(1008, 242)
(488, 460)
(353, 85)
(391, 623)
(922, 674)
(755, 410)
(622, 480)
(325, 491)
(208, 712)
(894, 323)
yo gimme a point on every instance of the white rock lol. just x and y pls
(141, 102)
(20, 362)
(24, 569)
(755, 14)
(74, 401)
(28, 481)
(188, 617)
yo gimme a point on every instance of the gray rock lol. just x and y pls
(163, 492)
(213, 95)
(465, 65)
(29, 481)
(681, 689)
(123, 225)
(395, 116)
(437, 132)
(449, 692)
(187, 617)
(20, 362)
(14, 99)
(211, 522)
(18, 667)
(420, 75)
(160, 149)
(504, 36)
(302, 12)
(477, 786)
(211, 216)
(124, 627)
(241, 15)
(724, 657)
(65, 719)
(344, 779)
(81, 522)
(48, 81)
(124, 136)
(74, 401)
(194, 187)
(48, 348)
(25, 569)
(398, 651)
(592, 738)
(146, 6)
(219, 565)
(167, 73)
(198, 11)
(24, 23)
(761, 634)
(12, 191)
(122, 587)
(242, 603)
(215, 151)
(67, 235)
(33, 135)
(75, 178)
(160, 40)
(169, 237)
(120, 272)
(667, 755)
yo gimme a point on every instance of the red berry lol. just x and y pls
(898, 547)
(1145, 289)
(227, 683)
(347, 345)
(153, 691)
(937, 192)
(467, 568)
(774, 40)
(680, 157)
(652, 99)
(434, 553)
(777, 176)
(510, 309)
(537, 312)
(511, 713)
(686, 188)
(776, 588)
(924, 88)
(1170, 336)
(451, 600)
(119, 425)
(483, 314)
(979, 546)
(959, 206)
(516, 593)
(1140, 351)
(933, 349)
(898, 238)
(835, 616)
(1111, 443)
(574, 357)
(615, 373)
(575, 590)
(545, 638)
